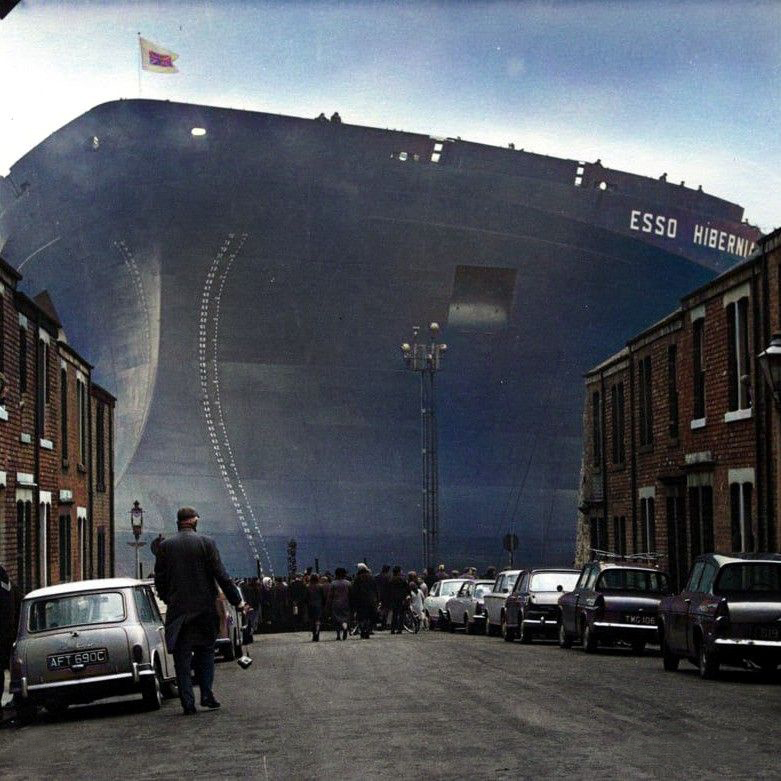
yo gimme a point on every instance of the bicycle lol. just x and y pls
(411, 622)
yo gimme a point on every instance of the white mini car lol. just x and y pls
(467, 608)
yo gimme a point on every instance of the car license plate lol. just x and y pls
(644, 620)
(77, 659)
(767, 633)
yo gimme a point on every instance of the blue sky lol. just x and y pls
(692, 89)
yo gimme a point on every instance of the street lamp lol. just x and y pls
(424, 355)
(770, 361)
(137, 524)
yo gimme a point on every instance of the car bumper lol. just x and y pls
(609, 630)
(83, 689)
(739, 649)
(541, 624)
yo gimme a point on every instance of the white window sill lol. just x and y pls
(3, 413)
(26, 439)
(698, 423)
(47, 444)
(738, 414)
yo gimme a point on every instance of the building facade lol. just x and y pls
(681, 434)
(56, 513)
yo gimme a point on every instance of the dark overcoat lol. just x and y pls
(187, 571)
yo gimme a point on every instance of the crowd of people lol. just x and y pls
(340, 601)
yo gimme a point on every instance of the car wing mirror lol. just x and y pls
(559, 588)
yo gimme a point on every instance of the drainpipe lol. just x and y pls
(759, 404)
(633, 461)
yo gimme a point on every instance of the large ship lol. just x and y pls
(243, 282)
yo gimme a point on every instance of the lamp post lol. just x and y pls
(770, 361)
(424, 355)
(137, 524)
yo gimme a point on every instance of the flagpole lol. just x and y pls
(139, 64)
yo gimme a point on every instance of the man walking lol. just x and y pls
(187, 571)
(398, 589)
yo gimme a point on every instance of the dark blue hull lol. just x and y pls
(244, 294)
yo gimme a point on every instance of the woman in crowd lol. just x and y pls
(338, 603)
(315, 600)
(416, 603)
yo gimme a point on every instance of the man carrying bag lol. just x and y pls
(187, 571)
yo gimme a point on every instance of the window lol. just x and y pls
(672, 391)
(100, 449)
(701, 519)
(641, 581)
(619, 535)
(42, 395)
(617, 419)
(101, 552)
(2, 333)
(83, 548)
(592, 577)
(645, 395)
(599, 534)
(64, 413)
(751, 579)
(707, 578)
(76, 610)
(66, 572)
(22, 359)
(676, 535)
(648, 525)
(24, 545)
(737, 355)
(596, 427)
(81, 393)
(740, 513)
(143, 608)
(694, 578)
(698, 338)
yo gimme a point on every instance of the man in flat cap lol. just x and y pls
(187, 570)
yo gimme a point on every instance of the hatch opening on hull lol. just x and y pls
(482, 298)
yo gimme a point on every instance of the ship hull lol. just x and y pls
(245, 299)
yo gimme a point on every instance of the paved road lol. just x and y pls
(431, 706)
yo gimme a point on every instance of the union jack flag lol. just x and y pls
(156, 58)
(163, 60)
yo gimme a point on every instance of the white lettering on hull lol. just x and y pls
(703, 235)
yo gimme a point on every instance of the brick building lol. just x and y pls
(681, 435)
(56, 448)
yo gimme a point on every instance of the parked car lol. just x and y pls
(613, 602)
(434, 603)
(80, 642)
(532, 607)
(728, 613)
(232, 631)
(466, 609)
(495, 601)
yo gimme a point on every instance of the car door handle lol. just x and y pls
(687, 601)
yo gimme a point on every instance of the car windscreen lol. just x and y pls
(481, 589)
(550, 581)
(450, 589)
(76, 610)
(633, 580)
(750, 579)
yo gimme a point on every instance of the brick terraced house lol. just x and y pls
(56, 449)
(681, 433)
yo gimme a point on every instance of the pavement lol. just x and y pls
(429, 706)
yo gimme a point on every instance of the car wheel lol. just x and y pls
(491, 629)
(564, 638)
(237, 649)
(229, 651)
(638, 647)
(588, 639)
(170, 689)
(26, 712)
(708, 661)
(56, 708)
(152, 691)
(508, 633)
(467, 628)
(669, 659)
(441, 622)
(450, 625)
(524, 631)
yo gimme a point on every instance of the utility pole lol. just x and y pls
(424, 356)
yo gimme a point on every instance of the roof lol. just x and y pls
(7, 268)
(726, 558)
(81, 586)
(66, 348)
(100, 392)
(46, 305)
(553, 569)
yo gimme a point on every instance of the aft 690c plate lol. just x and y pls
(77, 659)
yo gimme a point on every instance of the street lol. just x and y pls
(433, 705)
